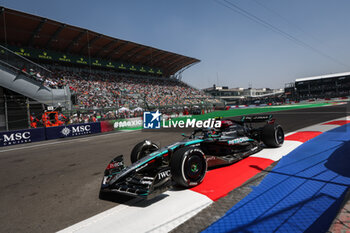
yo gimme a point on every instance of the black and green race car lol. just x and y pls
(185, 163)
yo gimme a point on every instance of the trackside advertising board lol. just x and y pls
(21, 136)
(122, 124)
(72, 130)
(50, 55)
(39, 134)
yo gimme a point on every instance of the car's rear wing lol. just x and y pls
(256, 118)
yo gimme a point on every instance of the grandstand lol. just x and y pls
(323, 87)
(238, 96)
(48, 63)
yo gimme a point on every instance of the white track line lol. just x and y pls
(276, 154)
(160, 216)
(320, 128)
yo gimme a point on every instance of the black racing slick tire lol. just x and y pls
(142, 149)
(188, 166)
(273, 135)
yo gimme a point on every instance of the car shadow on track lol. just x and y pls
(131, 201)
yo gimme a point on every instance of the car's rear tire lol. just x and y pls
(142, 149)
(273, 135)
(188, 166)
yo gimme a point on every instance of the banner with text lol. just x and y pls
(122, 124)
(49, 55)
(21, 136)
(72, 130)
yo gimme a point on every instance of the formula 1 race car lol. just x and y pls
(185, 163)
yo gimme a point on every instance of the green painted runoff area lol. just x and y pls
(248, 111)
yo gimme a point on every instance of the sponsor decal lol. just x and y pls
(96, 63)
(143, 166)
(110, 65)
(56, 56)
(44, 55)
(148, 182)
(164, 174)
(72, 130)
(81, 61)
(16, 138)
(211, 158)
(23, 53)
(64, 58)
(65, 131)
(239, 140)
(127, 123)
(122, 67)
(81, 130)
(252, 118)
(76, 130)
(115, 165)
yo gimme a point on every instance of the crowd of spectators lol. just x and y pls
(94, 89)
(111, 90)
(94, 116)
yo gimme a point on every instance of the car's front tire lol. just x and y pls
(188, 166)
(142, 149)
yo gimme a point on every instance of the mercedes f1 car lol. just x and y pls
(185, 163)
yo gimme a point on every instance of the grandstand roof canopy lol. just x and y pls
(22, 29)
(323, 77)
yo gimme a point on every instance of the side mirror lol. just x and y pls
(184, 135)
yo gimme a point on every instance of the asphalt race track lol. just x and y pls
(51, 185)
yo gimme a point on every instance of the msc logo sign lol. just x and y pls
(65, 131)
(151, 120)
(16, 138)
(76, 130)
(80, 130)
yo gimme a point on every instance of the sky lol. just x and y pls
(285, 40)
